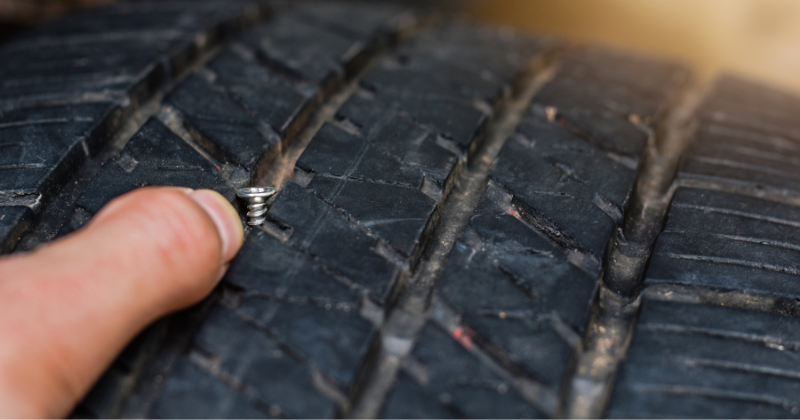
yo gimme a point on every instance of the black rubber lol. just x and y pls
(420, 261)
(718, 329)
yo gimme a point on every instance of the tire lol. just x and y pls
(471, 222)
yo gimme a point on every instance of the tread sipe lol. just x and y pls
(471, 222)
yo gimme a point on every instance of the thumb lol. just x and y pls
(69, 307)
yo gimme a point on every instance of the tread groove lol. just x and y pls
(534, 392)
(277, 169)
(406, 315)
(613, 317)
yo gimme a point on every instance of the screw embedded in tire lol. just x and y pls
(256, 198)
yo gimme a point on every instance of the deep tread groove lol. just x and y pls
(407, 314)
(610, 326)
(535, 393)
(277, 169)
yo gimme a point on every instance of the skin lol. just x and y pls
(69, 307)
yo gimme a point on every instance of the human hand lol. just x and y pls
(69, 307)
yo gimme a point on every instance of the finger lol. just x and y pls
(68, 308)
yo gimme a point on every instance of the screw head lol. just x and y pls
(256, 198)
(255, 193)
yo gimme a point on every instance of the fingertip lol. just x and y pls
(226, 219)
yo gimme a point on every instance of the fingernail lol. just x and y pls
(225, 217)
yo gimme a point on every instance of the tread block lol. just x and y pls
(721, 274)
(639, 73)
(696, 211)
(738, 143)
(598, 91)
(577, 187)
(40, 147)
(315, 313)
(735, 241)
(321, 231)
(334, 338)
(748, 135)
(494, 54)
(268, 96)
(112, 52)
(14, 221)
(754, 107)
(700, 360)
(266, 267)
(457, 120)
(312, 311)
(568, 94)
(514, 288)
(238, 135)
(305, 51)
(339, 154)
(455, 385)
(717, 321)
(192, 393)
(397, 214)
(154, 156)
(728, 241)
(410, 400)
(746, 264)
(746, 162)
(114, 58)
(393, 134)
(743, 163)
(691, 403)
(140, 17)
(76, 70)
(353, 20)
(608, 131)
(400, 80)
(273, 376)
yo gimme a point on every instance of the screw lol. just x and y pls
(256, 198)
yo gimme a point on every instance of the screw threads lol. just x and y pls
(256, 198)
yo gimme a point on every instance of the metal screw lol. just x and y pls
(256, 198)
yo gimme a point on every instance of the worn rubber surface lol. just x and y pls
(717, 333)
(448, 194)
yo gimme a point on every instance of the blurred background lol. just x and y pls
(759, 39)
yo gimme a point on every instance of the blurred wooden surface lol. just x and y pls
(755, 38)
